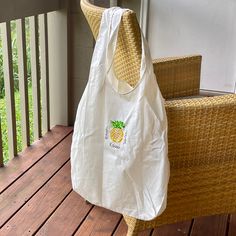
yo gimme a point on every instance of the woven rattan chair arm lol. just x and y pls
(178, 76)
(202, 154)
(203, 103)
(196, 117)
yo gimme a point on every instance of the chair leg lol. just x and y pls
(133, 225)
(131, 232)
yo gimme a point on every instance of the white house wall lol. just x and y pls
(182, 27)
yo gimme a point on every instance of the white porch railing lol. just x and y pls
(46, 70)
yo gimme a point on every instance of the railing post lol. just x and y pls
(43, 39)
(9, 87)
(58, 72)
(35, 74)
(49, 72)
(23, 81)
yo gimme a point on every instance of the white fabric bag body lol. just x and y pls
(119, 148)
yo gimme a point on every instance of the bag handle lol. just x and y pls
(105, 47)
(113, 19)
(107, 36)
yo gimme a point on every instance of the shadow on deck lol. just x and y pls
(36, 198)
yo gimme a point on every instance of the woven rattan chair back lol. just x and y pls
(127, 58)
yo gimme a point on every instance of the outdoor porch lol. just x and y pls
(37, 199)
(54, 45)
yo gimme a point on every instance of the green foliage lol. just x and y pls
(15, 58)
(118, 124)
(3, 104)
(18, 124)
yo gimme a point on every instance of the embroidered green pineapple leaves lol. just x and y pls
(116, 132)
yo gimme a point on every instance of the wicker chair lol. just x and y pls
(202, 131)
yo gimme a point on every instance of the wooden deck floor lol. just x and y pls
(36, 198)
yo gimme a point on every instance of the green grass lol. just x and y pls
(18, 123)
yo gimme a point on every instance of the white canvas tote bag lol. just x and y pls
(119, 148)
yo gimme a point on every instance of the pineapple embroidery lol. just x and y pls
(117, 132)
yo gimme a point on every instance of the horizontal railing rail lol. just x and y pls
(17, 9)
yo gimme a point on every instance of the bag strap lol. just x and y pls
(113, 18)
(107, 36)
(105, 47)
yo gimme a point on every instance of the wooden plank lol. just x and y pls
(35, 74)
(9, 88)
(100, 221)
(18, 166)
(15, 9)
(23, 82)
(122, 229)
(177, 229)
(22, 190)
(210, 225)
(43, 38)
(145, 232)
(71, 213)
(30, 217)
(232, 225)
